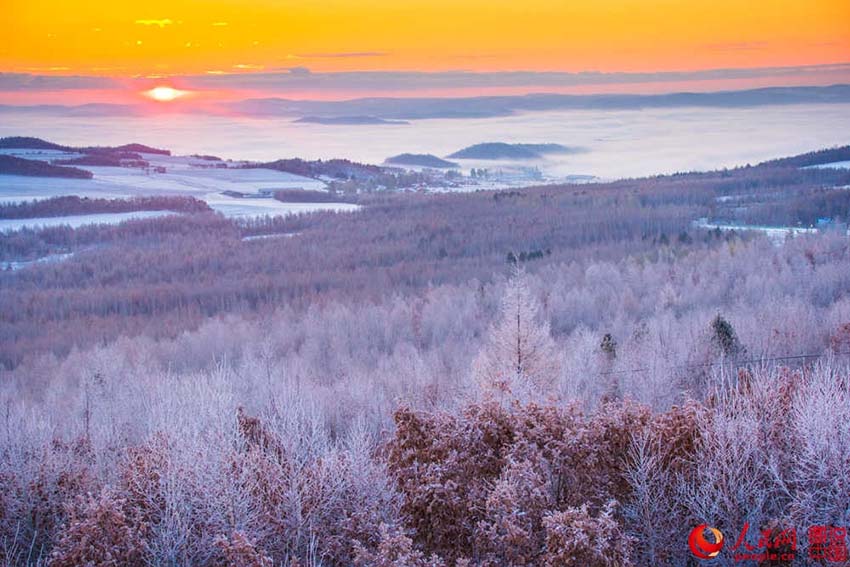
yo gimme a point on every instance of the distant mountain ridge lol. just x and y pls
(10, 165)
(491, 106)
(32, 143)
(334, 168)
(389, 108)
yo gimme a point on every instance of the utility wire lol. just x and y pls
(727, 363)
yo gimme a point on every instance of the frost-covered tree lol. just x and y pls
(519, 356)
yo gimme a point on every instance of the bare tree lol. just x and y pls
(519, 356)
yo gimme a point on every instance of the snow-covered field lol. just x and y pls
(44, 155)
(184, 175)
(777, 234)
(235, 207)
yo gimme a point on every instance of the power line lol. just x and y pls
(727, 363)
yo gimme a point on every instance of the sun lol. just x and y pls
(165, 94)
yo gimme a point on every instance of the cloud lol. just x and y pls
(282, 82)
(28, 82)
(161, 23)
(302, 71)
(293, 78)
(340, 55)
(96, 110)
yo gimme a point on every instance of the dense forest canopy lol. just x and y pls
(73, 205)
(164, 275)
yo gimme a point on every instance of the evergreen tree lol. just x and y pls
(723, 336)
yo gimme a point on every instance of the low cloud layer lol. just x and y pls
(376, 81)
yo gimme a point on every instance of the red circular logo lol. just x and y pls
(700, 546)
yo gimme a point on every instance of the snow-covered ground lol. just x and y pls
(268, 236)
(9, 225)
(184, 175)
(833, 165)
(235, 207)
(19, 265)
(776, 234)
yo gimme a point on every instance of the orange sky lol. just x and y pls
(189, 36)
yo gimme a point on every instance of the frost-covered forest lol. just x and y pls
(564, 375)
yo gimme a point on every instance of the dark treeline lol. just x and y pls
(74, 205)
(106, 159)
(30, 143)
(336, 168)
(11, 165)
(164, 275)
(309, 196)
(829, 155)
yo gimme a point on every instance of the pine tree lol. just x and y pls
(725, 338)
(608, 349)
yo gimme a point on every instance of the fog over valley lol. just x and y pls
(618, 143)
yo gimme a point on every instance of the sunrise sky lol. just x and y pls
(137, 46)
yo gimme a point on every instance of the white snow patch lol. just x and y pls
(268, 236)
(777, 234)
(14, 265)
(236, 207)
(75, 221)
(833, 165)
